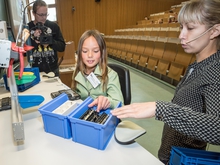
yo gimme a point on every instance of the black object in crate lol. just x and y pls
(90, 133)
(94, 116)
(72, 95)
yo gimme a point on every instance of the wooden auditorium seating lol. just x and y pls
(146, 31)
(153, 35)
(121, 46)
(156, 55)
(162, 36)
(173, 36)
(135, 59)
(137, 33)
(175, 71)
(181, 62)
(113, 46)
(158, 49)
(162, 68)
(132, 50)
(125, 50)
(151, 65)
(169, 55)
(154, 32)
(142, 62)
(141, 46)
(182, 57)
(170, 51)
(139, 51)
(151, 47)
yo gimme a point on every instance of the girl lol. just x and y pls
(92, 77)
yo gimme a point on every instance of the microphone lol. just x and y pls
(199, 35)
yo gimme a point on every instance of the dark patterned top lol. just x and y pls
(192, 118)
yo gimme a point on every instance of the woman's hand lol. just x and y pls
(101, 102)
(136, 110)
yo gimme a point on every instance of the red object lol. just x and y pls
(21, 51)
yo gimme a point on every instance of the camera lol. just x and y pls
(45, 36)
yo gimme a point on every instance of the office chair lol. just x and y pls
(126, 132)
(124, 78)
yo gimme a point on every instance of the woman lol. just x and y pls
(45, 46)
(92, 76)
(192, 117)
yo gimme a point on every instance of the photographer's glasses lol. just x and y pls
(43, 15)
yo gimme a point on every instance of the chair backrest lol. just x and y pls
(124, 78)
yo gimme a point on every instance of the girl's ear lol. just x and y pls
(216, 31)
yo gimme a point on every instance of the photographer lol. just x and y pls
(46, 38)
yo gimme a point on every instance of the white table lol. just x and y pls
(41, 148)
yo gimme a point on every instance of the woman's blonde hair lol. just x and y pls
(205, 12)
(80, 66)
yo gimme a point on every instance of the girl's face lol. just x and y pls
(90, 54)
(189, 32)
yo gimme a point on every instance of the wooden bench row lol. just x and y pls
(165, 60)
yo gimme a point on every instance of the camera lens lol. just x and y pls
(45, 39)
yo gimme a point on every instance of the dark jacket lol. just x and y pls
(46, 58)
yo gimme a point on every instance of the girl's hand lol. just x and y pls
(101, 102)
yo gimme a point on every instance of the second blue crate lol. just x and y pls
(185, 156)
(89, 133)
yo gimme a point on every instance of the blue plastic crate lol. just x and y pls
(90, 133)
(26, 86)
(57, 124)
(185, 156)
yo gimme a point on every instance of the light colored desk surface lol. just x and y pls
(41, 148)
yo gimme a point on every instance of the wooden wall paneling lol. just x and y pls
(100, 15)
(111, 19)
(106, 15)
(89, 14)
(64, 17)
(83, 17)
